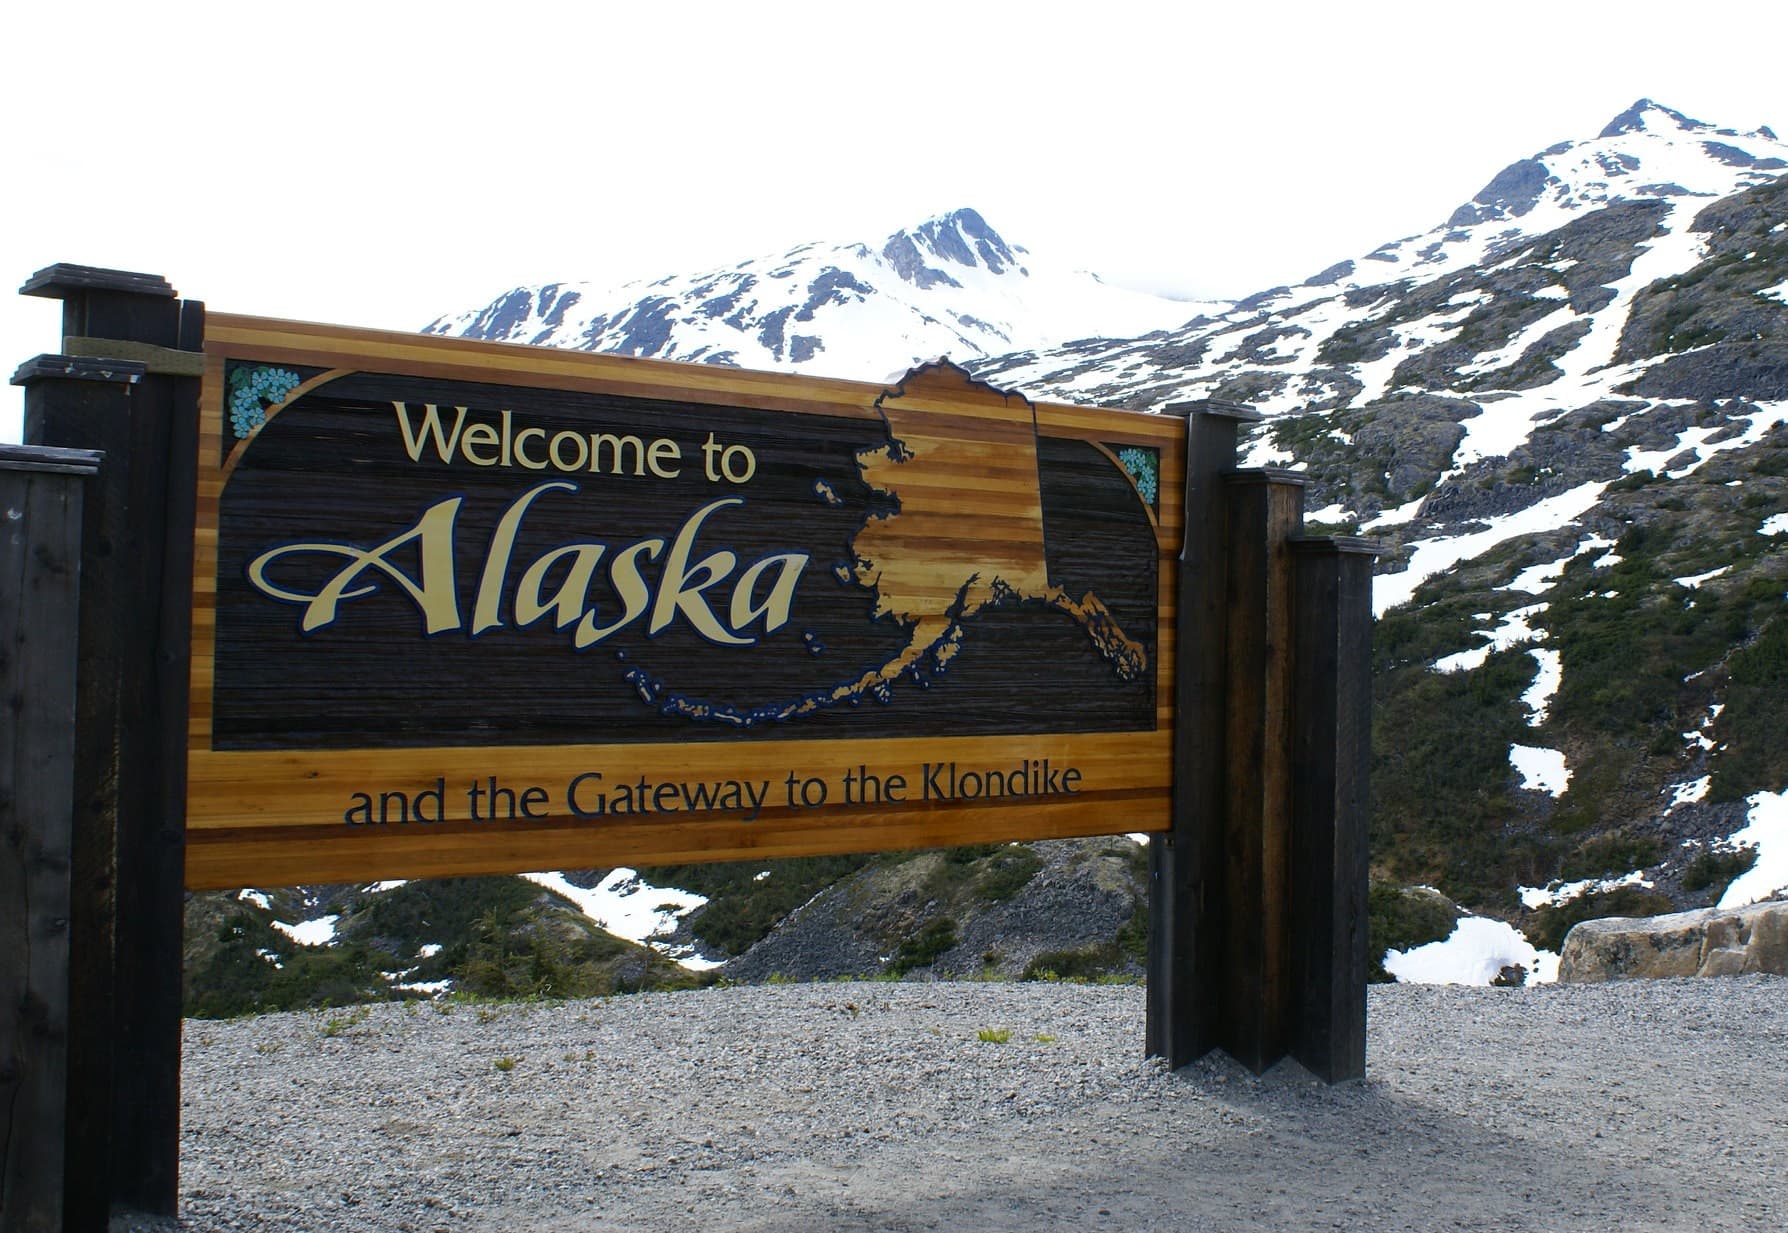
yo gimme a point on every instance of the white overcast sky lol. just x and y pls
(379, 163)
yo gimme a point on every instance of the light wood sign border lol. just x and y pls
(276, 816)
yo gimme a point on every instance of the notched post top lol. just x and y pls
(78, 368)
(60, 281)
(50, 459)
(1241, 412)
(1351, 544)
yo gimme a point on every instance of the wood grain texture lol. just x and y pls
(1186, 888)
(1266, 509)
(980, 479)
(1329, 857)
(39, 596)
(88, 414)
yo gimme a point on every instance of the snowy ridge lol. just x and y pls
(950, 286)
(1279, 339)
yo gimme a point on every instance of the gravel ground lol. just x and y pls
(1634, 1106)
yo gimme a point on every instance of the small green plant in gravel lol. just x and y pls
(504, 1064)
(337, 1024)
(994, 1036)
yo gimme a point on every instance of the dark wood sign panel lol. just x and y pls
(461, 608)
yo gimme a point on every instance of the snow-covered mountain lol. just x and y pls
(950, 286)
(1473, 306)
(1566, 409)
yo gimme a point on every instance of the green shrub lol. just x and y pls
(1717, 869)
(1611, 854)
(1400, 918)
(923, 948)
(1077, 964)
(1008, 871)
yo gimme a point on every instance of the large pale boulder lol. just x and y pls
(1710, 942)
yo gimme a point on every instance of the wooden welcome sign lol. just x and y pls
(461, 607)
(359, 605)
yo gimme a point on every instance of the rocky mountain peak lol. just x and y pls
(1647, 116)
(960, 237)
(952, 285)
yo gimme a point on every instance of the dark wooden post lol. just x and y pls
(41, 495)
(1185, 863)
(127, 387)
(99, 393)
(1332, 607)
(1265, 511)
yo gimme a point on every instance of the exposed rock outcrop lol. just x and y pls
(1708, 942)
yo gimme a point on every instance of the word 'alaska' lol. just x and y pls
(701, 589)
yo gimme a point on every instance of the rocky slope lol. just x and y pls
(1565, 409)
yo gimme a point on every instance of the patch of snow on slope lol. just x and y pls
(1695, 439)
(1539, 695)
(1475, 953)
(1555, 893)
(1513, 631)
(1768, 833)
(1688, 793)
(1516, 347)
(255, 897)
(1693, 581)
(1264, 451)
(318, 932)
(1775, 524)
(1538, 579)
(1542, 770)
(1401, 516)
(629, 907)
(1432, 556)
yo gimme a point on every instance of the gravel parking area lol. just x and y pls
(955, 1106)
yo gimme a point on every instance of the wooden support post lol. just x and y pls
(96, 393)
(1332, 607)
(41, 495)
(1265, 511)
(1185, 863)
(130, 767)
